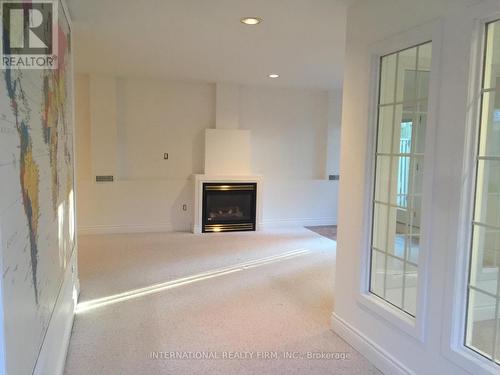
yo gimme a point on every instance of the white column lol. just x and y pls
(227, 106)
(333, 133)
(103, 125)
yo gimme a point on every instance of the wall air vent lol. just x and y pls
(104, 178)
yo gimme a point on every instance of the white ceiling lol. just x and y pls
(203, 40)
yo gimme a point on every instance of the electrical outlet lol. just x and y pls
(184, 207)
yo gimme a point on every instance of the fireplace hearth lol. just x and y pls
(229, 207)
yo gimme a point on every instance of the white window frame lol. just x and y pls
(453, 344)
(415, 327)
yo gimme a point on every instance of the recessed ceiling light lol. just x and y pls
(274, 75)
(251, 20)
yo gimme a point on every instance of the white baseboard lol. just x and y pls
(120, 229)
(52, 357)
(369, 349)
(299, 222)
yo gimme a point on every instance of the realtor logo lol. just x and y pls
(29, 34)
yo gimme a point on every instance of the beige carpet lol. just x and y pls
(245, 303)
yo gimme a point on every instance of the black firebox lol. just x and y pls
(229, 207)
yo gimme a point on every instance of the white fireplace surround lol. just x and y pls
(199, 179)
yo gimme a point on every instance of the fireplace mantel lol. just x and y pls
(199, 179)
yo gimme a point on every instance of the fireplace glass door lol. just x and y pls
(229, 207)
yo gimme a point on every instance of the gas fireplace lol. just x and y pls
(229, 207)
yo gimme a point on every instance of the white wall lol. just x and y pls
(152, 119)
(289, 128)
(377, 335)
(289, 131)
